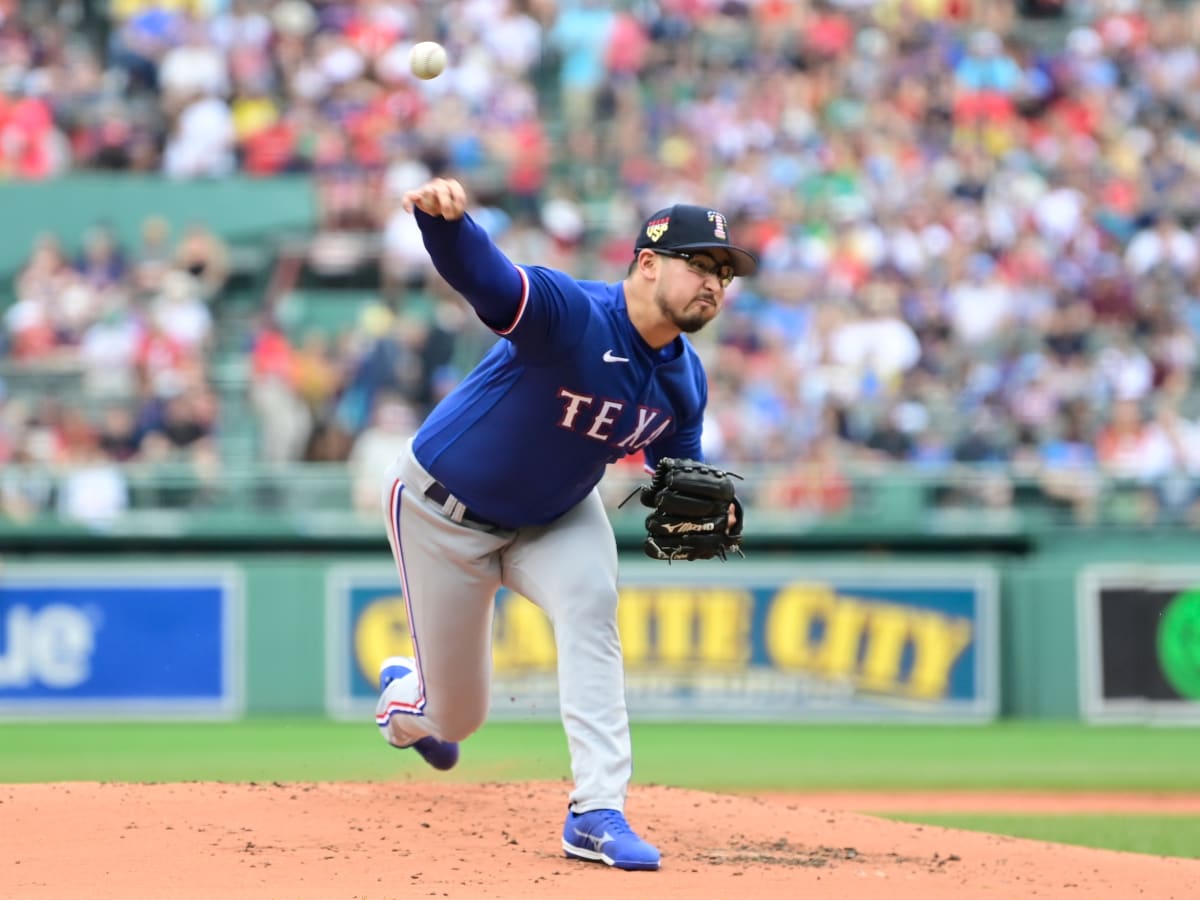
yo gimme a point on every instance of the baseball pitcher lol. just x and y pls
(498, 487)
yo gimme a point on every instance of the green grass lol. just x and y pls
(1159, 835)
(708, 756)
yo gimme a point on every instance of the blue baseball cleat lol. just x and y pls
(603, 835)
(440, 754)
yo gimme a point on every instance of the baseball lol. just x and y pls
(427, 59)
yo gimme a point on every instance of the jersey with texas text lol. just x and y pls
(572, 388)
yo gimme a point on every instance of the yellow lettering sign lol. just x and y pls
(811, 629)
(674, 613)
(938, 642)
(887, 633)
(685, 627)
(792, 621)
(839, 649)
(723, 620)
(891, 648)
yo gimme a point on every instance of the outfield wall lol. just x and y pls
(1073, 630)
(238, 209)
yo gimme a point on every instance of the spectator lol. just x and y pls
(93, 490)
(1122, 442)
(181, 314)
(193, 68)
(31, 321)
(1171, 466)
(317, 374)
(26, 487)
(1164, 243)
(117, 434)
(152, 258)
(393, 423)
(891, 440)
(160, 360)
(201, 142)
(29, 141)
(205, 256)
(980, 306)
(285, 422)
(1067, 471)
(108, 351)
(814, 486)
(102, 263)
(582, 35)
(879, 345)
(180, 439)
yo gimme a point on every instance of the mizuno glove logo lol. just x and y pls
(682, 527)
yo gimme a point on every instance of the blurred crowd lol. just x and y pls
(979, 232)
(134, 326)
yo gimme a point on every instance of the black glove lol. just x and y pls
(690, 518)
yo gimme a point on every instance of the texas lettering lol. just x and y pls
(582, 413)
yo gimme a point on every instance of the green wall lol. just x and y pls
(1038, 644)
(285, 619)
(1038, 637)
(234, 208)
(1039, 672)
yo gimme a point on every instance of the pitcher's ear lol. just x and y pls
(645, 261)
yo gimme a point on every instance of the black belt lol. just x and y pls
(439, 494)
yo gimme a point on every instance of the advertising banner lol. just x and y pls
(1139, 639)
(89, 640)
(779, 641)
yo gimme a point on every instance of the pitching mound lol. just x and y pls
(423, 839)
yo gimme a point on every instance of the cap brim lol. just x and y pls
(744, 262)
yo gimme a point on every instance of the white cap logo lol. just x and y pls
(718, 221)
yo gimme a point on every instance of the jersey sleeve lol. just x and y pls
(542, 311)
(553, 314)
(463, 254)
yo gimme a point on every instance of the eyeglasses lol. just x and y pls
(703, 265)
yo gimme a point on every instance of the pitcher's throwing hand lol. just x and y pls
(442, 197)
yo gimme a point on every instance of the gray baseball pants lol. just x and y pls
(450, 571)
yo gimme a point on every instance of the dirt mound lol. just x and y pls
(425, 839)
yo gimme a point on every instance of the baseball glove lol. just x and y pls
(690, 517)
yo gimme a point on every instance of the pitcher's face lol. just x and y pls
(691, 290)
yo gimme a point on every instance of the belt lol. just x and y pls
(439, 494)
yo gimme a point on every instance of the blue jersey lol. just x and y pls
(572, 388)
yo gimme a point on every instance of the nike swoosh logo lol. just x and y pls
(609, 356)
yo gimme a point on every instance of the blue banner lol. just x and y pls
(735, 641)
(101, 640)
